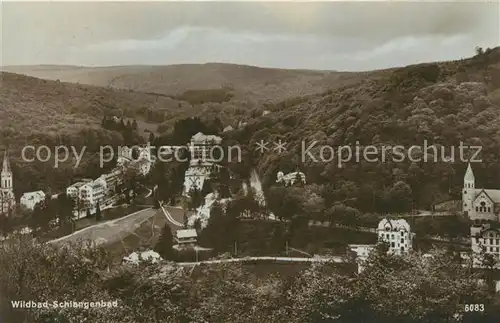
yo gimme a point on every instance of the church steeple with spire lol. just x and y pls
(7, 199)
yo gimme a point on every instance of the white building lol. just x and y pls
(202, 165)
(112, 180)
(148, 256)
(195, 177)
(73, 190)
(291, 178)
(397, 234)
(202, 148)
(479, 203)
(30, 199)
(93, 193)
(186, 236)
(485, 238)
(7, 198)
(143, 166)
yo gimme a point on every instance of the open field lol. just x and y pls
(109, 232)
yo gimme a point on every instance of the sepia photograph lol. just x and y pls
(250, 161)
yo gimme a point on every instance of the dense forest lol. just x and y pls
(443, 104)
(406, 289)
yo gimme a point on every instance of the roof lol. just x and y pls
(494, 195)
(97, 184)
(6, 164)
(200, 136)
(31, 195)
(399, 224)
(186, 233)
(469, 175)
(78, 184)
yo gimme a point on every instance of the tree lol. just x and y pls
(488, 263)
(151, 138)
(207, 188)
(165, 243)
(400, 197)
(65, 207)
(197, 225)
(343, 214)
(285, 202)
(218, 222)
(196, 199)
(44, 212)
(98, 215)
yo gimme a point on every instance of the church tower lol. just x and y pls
(7, 199)
(468, 191)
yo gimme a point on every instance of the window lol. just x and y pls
(477, 209)
(402, 248)
(491, 241)
(392, 244)
(392, 236)
(402, 240)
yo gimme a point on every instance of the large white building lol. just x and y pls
(203, 161)
(30, 199)
(485, 238)
(112, 180)
(7, 198)
(73, 190)
(397, 234)
(479, 203)
(93, 193)
(202, 148)
(195, 177)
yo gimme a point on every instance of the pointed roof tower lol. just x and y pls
(469, 175)
(6, 164)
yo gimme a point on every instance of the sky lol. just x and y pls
(347, 36)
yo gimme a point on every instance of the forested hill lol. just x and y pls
(444, 103)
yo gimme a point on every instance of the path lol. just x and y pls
(335, 259)
(168, 213)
